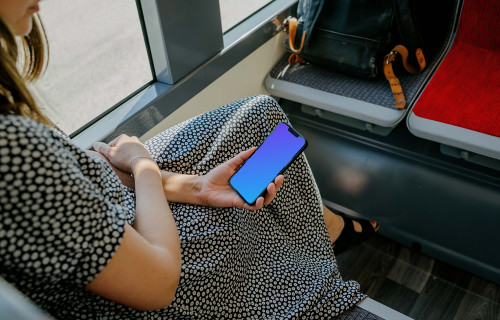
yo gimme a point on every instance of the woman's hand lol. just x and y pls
(124, 177)
(215, 191)
(123, 151)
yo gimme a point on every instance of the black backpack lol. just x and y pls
(357, 37)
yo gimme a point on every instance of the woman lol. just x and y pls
(78, 240)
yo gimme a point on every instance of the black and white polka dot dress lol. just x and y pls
(63, 214)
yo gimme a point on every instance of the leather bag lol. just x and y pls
(355, 37)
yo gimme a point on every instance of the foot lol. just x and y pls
(353, 234)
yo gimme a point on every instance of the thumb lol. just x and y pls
(241, 158)
(102, 148)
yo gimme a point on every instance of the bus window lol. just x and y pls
(98, 57)
(235, 11)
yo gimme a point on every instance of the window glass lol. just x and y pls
(97, 58)
(235, 11)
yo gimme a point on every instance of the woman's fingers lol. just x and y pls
(105, 148)
(271, 193)
(247, 153)
(279, 181)
(115, 141)
(259, 203)
(272, 189)
(102, 148)
(237, 161)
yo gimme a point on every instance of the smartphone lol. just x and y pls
(271, 159)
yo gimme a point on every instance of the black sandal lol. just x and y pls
(349, 237)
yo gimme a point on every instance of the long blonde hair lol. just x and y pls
(32, 53)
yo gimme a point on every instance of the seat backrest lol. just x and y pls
(479, 24)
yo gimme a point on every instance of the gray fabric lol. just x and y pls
(357, 313)
(376, 91)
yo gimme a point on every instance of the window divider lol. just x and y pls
(182, 35)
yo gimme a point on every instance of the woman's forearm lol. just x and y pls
(181, 188)
(154, 220)
(177, 187)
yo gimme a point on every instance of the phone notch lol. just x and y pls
(292, 131)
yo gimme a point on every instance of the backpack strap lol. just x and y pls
(396, 89)
(307, 12)
(291, 24)
(291, 28)
(407, 26)
(404, 58)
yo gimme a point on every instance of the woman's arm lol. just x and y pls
(213, 189)
(145, 270)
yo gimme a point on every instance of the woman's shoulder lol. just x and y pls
(21, 130)
(29, 143)
(16, 120)
(27, 146)
(19, 125)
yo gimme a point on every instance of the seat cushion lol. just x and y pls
(465, 90)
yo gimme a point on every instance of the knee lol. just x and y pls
(267, 107)
(267, 102)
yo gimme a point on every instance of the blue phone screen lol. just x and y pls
(277, 151)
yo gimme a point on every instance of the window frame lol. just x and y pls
(177, 79)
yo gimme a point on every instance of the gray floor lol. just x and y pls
(417, 285)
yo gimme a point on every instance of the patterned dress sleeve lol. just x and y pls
(60, 220)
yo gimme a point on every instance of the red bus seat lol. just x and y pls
(460, 106)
